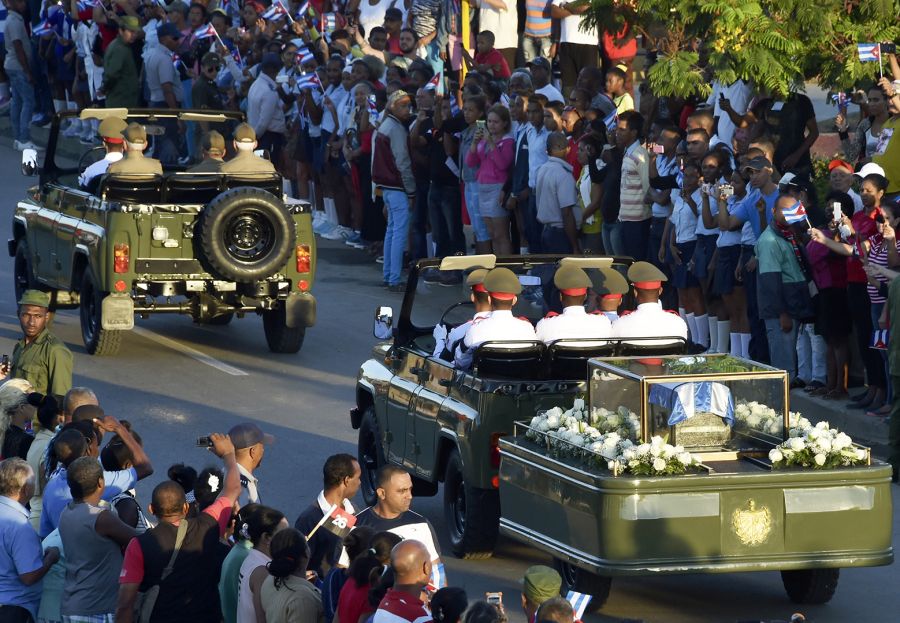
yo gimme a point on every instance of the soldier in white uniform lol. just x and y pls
(574, 322)
(649, 319)
(503, 287)
(609, 286)
(444, 344)
(111, 134)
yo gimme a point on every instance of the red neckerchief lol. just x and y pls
(786, 232)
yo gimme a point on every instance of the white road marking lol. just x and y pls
(190, 352)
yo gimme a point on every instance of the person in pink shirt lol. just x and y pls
(492, 153)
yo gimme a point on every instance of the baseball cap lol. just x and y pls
(837, 163)
(168, 30)
(540, 61)
(88, 413)
(247, 435)
(541, 583)
(130, 22)
(211, 59)
(870, 168)
(36, 298)
(758, 163)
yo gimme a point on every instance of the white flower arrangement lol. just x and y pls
(605, 439)
(817, 446)
(759, 417)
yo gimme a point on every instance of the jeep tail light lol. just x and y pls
(121, 255)
(495, 449)
(303, 258)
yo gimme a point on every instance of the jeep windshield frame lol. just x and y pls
(52, 169)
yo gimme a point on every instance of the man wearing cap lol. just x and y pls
(609, 286)
(840, 178)
(574, 322)
(134, 160)
(445, 344)
(540, 77)
(250, 446)
(245, 161)
(265, 112)
(39, 357)
(757, 207)
(649, 319)
(503, 287)
(205, 93)
(539, 584)
(166, 90)
(120, 73)
(111, 134)
(213, 145)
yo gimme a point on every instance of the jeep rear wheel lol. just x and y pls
(97, 340)
(22, 275)
(472, 515)
(369, 453)
(810, 586)
(581, 581)
(280, 337)
(246, 234)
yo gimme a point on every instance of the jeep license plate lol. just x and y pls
(117, 313)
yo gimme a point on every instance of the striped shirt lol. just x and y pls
(400, 607)
(635, 184)
(536, 24)
(878, 256)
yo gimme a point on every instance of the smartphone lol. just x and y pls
(4, 362)
(204, 442)
(481, 124)
(494, 598)
(888, 48)
(836, 212)
(658, 149)
(726, 190)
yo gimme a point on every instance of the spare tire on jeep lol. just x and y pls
(246, 234)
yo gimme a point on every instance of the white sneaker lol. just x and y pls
(345, 232)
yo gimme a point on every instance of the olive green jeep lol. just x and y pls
(208, 245)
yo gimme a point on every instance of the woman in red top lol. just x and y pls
(354, 605)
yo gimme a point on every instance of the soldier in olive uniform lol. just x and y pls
(246, 161)
(134, 160)
(213, 151)
(120, 73)
(40, 357)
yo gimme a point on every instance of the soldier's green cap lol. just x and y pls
(130, 22)
(244, 133)
(475, 280)
(211, 59)
(610, 282)
(135, 133)
(213, 142)
(111, 129)
(502, 283)
(540, 584)
(571, 280)
(36, 298)
(645, 276)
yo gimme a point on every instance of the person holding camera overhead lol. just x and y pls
(249, 447)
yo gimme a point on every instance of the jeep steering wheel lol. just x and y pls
(452, 307)
(84, 162)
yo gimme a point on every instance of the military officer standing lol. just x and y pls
(609, 288)
(213, 145)
(40, 357)
(574, 322)
(503, 287)
(111, 134)
(134, 161)
(445, 344)
(649, 319)
(245, 161)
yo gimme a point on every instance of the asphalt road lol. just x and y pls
(175, 381)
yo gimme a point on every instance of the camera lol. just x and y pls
(726, 190)
(494, 598)
(204, 442)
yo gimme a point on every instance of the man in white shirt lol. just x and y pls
(649, 319)
(445, 343)
(578, 47)
(574, 322)
(249, 446)
(738, 95)
(265, 113)
(540, 78)
(111, 134)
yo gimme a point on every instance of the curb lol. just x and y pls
(871, 431)
(69, 148)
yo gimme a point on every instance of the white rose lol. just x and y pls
(643, 449)
(628, 455)
(823, 425)
(775, 455)
(753, 421)
(535, 421)
(659, 465)
(841, 441)
(685, 458)
(668, 452)
(825, 445)
(553, 421)
(544, 426)
(634, 463)
(656, 440)
(819, 459)
(554, 411)
(860, 454)
(797, 444)
(655, 450)
(576, 440)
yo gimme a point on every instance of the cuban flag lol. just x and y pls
(309, 81)
(868, 52)
(236, 55)
(436, 83)
(303, 10)
(611, 121)
(44, 28)
(841, 100)
(205, 32)
(880, 339)
(795, 214)
(329, 22)
(176, 60)
(373, 109)
(303, 56)
(579, 603)
(274, 12)
(454, 106)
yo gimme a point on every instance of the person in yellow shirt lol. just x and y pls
(887, 152)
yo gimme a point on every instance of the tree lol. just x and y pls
(777, 44)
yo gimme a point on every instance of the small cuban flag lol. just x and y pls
(304, 55)
(205, 32)
(868, 52)
(611, 121)
(274, 12)
(795, 214)
(880, 339)
(303, 10)
(329, 22)
(579, 603)
(236, 55)
(373, 109)
(309, 81)
(436, 83)
(44, 28)
(176, 60)
(454, 106)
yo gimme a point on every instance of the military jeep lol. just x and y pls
(208, 245)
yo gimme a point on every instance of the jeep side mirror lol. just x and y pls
(384, 323)
(29, 162)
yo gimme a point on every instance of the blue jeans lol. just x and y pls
(782, 346)
(446, 220)
(635, 238)
(612, 238)
(22, 105)
(479, 227)
(397, 204)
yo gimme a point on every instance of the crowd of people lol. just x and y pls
(78, 546)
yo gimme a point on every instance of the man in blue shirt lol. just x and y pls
(760, 199)
(79, 439)
(22, 562)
